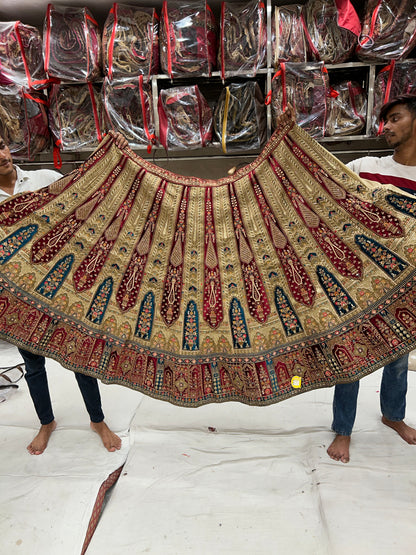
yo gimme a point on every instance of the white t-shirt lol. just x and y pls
(26, 181)
(31, 181)
(385, 170)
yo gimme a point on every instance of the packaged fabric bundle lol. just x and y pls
(347, 109)
(21, 59)
(128, 106)
(71, 44)
(243, 38)
(288, 37)
(305, 87)
(240, 117)
(392, 80)
(188, 39)
(332, 28)
(130, 42)
(388, 31)
(75, 117)
(24, 121)
(185, 118)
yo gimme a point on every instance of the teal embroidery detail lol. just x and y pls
(52, 282)
(287, 315)
(239, 330)
(145, 319)
(100, 301)
(14, 242)
(384, 258)
(403, 204)
(191, 328)
(337, 295)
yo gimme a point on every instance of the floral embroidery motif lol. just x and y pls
(100, 301)
(15, 241)
(385, 259)
(191, 328)
(239, 330)
(288, 317)
(145, 319)
(339, 298)
(50, 285)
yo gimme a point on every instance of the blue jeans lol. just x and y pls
(392, 397)
(37, 381)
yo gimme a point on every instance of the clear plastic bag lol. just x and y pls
(288, 38)
(392, 80)
(388, 30)
(130, 42)
(71, 44)
(24, 121)
(21, 59)
(240, 117)
(243, 38)
(75, 116)
(128, 107)
(305, 87)
(188, 39)
(328, 41)
(185, 118)
(347, 109)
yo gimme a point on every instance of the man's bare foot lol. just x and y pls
(405, 432)
(39, 443)
(110, 440)
(339, 450)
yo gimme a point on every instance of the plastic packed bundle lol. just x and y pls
(388, 31)
(75, 116)
(305, 87)
(188, 39)
(288, 37)
(71, 44)
(21, 59)
(128, 106)
(24, 121)
(243, 38)
(332, 28)
(240, 117)
(185, 118)
(392, 80)
(130, 42)
(347, 109)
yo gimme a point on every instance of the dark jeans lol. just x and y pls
(392, 397)
(37, 381)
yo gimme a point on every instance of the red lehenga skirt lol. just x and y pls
(292, 274)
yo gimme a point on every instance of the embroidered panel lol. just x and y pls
(196, 291)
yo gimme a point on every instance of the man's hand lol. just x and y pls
(119, 139)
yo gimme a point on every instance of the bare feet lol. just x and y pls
(40, 441)
(339, 450)
(405, 432)
(110, 440)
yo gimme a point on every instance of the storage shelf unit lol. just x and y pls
(345, 147)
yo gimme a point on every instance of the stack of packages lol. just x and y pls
(23, 105)
(240, 116)
(388, 36)
(187, 49)
(323, 32)
(130, 58)
(72, 56)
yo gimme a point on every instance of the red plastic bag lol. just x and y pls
(305, 87)
(347, 109)
(21, 59)
(24, 121)
(243, 38)
(72, 44)
(129, 109)
(187, 39)
(131, 42)
(185, 118)
(392, 80)
(75, 116)
(388, 31)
